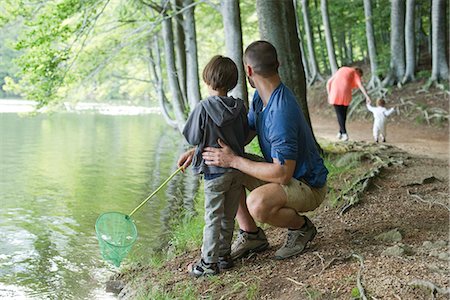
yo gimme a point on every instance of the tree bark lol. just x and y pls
(180, 53)
(410, 46)
(177, 99)
(193, 85)
(309, 39)
(300, 38)
(397, 64)
(439, 66)
(231, 17)
(328, 36)
(374, 79)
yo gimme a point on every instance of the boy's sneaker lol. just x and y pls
(201, 268)
(225, 262)
(297, 240)
(344, 137)
(247, 243)
(339, 136)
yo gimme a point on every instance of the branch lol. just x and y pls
(131, 78)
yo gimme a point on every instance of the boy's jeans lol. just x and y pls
(222, 195)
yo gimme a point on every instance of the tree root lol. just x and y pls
(430, 203)
(359, 276)
(434, 289)
(351, 195)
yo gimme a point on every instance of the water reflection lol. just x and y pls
(58, 174)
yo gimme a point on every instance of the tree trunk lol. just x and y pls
(397, 64)
(276, 21)
(309, 38)
(180, 53)
(328, 36)
(374, 79)
(410, 46)
(300, 38)
(231, 17)
(349, 47)
(193, 85)
(177, 99)
(156, 70)
(439, 68)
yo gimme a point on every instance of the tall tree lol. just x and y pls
(374, 79)
(276, 21)
(314, 68)
(439, 68)
(410, 46)
(397, 63)
(180, 53)
(193, 85)
(300, 37)
(156, 70)
(233, 42)
(174, 85)
(328, 36)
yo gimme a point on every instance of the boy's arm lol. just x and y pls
(370, 107)
(193, 129)
(389, 112)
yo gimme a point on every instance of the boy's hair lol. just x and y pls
(221, 73)
(359, 71)
(381, 102)
(262, 57)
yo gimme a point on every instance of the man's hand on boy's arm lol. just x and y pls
(185, 159)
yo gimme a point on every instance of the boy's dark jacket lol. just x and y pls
(213, 118)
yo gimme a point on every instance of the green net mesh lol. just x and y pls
(116, 235)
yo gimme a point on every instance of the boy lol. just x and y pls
(218, 116)
(380, 114)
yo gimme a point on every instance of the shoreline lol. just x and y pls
(27, 106)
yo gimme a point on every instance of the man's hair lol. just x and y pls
(360, 71)
(221, 73)
(262, 57)
(381, 102)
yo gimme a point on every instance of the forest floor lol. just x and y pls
(392, 243)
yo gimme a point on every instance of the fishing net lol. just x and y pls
(116, 234)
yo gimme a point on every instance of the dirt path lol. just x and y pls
(415, 139)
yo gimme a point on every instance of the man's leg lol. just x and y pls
(250, 238)
(267, 204)
(278, 205)
(243, 216)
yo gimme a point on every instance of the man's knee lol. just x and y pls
(258, 208)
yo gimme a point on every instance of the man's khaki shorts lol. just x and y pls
(300, 196)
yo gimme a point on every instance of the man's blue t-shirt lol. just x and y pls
(283, 133)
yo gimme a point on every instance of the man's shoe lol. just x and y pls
(247, 243)
(201, 268)
(339, 136)
(225, 262)
(297, 240)
(344, 137)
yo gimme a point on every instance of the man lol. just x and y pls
(339, 89)
(292, 177)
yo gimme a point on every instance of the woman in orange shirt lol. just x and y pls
(339, 88)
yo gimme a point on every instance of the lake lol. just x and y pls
(59, 172)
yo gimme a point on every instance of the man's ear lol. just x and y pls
(248, 70)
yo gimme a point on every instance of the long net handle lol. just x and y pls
(157, 190)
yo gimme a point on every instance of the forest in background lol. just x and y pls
(151, 52)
